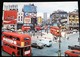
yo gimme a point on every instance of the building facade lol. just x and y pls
(73, 20)
(60, 17)
(30, 12)
(20, 19)
(30, 15)
(10, 16)
(44, 16)
(10, 7)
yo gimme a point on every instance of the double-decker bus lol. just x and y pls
(54, 29)
(16, 44)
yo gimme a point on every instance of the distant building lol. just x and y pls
(39, 20)
(45, 17)
(73, 20)
(20, 17)
(60, 16)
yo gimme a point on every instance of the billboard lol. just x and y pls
(10, 15)
(39, 20)
(27, 19)
(29, 8)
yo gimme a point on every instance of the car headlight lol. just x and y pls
(57, 30)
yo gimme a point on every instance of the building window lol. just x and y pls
(19, 18)
(73, 16)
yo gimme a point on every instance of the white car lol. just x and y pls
(46, 42)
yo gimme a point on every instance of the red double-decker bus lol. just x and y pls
(55, 30)
(16, 44)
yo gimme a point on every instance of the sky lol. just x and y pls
(48, 7)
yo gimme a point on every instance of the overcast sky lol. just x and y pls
(48, 7)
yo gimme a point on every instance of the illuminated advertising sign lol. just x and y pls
(10, 15)
(27, 20)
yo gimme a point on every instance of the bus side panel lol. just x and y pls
(7, 49)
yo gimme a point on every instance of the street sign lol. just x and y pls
(26, 14)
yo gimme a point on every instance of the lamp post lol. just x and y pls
(79, 39)
(59, 51)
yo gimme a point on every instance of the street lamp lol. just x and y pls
(59, 51)
(79, 39)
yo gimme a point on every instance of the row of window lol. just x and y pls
(13, 47)
(73, 16)
(11, 37)
(11, 7)
(20, 13)
(5, 44)
(74, 23)
(73, 19)
(20, 18)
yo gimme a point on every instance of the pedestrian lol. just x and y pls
(67, 38)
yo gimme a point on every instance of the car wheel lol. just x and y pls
(45, 45)
(66, 55)
(13, 54)
(38, 47)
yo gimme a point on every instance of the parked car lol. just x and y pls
(26, 27)
(75, 47)
(37, 28)
(74, 53)
(37, 45)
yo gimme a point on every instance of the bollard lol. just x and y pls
(37, 36)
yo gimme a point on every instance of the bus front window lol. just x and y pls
(27, 50)
(20, 51)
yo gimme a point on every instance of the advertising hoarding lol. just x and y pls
(27, 20)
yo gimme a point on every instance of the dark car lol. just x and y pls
(75, 47)
(39, 46)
